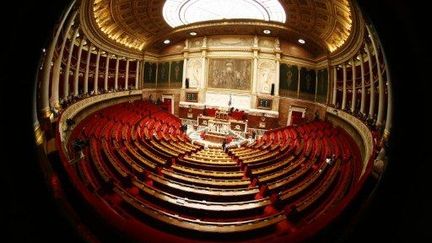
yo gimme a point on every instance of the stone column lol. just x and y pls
(106, 71)
(127, 75)
(334, 85)
(57, 64)
(344, 88)
(363, 86)
(96, 74)
(276, 90)
(298, 83)
(255, 73)
(68, 64)
(354, 87)
(255, 49)
(389, 118)
(86, 76)
(389, 115)
(142, 74)
(203, 68)
(202, 87)
(381, 97)
(45, 82)
(77, 68)
(137, 73)
(185, 61)
(157, 76)
(116, 73)
(372, 85)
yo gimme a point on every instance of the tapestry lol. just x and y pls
(149, 72)
(322, 86)
(176, 72)
(230, 74)
(307, 84)
(163, 73)
(288, 80)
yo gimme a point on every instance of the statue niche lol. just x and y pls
(194, 72)
(266, 76)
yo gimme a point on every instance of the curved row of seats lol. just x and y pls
(143, 165)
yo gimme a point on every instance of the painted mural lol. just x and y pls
(288, 80)
(307, 84)
(176, 73)
(322, 86)
(230, 74)
(149, 74)
(163, 74)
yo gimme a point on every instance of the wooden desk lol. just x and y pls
(215, 138)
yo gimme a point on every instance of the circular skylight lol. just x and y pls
(182, 12)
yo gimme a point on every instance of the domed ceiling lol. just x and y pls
(139, 25)
(177, 13)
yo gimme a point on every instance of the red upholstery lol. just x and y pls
(140, 143)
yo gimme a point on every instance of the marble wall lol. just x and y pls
(266, 75)
(194, 72)
(227, 100)
(245, 67)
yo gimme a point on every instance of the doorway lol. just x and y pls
(168, 101)
(296, 115)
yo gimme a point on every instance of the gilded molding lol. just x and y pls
(386, 135)
(354, 43)
(122, 20)
(39, 135)
(46, 113)
(95, 36)
(298, 62)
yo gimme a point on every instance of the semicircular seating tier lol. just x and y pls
(140, 171)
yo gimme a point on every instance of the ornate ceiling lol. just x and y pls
(139, 24)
